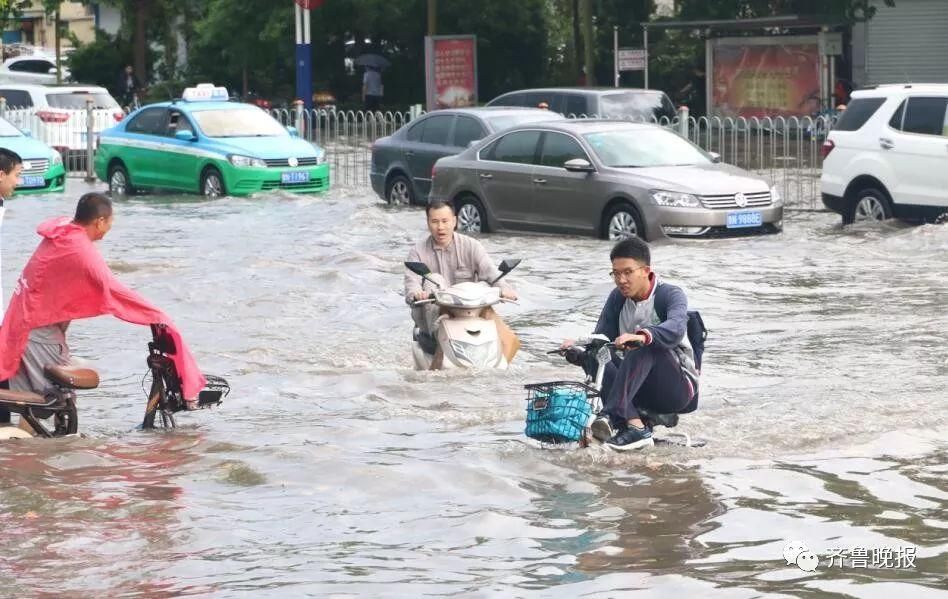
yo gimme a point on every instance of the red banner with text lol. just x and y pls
(451, 71)
(759, 80)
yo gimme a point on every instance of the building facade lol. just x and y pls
(35, 28)
(902, 44)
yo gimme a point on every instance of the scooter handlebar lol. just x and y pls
(634, 344)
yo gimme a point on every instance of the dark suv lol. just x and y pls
(602, 102)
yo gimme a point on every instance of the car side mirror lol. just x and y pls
(185, 135)
(715, 157)
(293, 131)
(579, 165)
(419, 268)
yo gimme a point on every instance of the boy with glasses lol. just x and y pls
(649, 318)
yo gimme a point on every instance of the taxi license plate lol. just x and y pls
(295, 177)
(32, 181)
(746, 218)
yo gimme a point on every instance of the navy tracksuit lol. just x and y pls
(661, 376)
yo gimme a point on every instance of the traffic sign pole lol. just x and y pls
(645, 47)
(304, 56)
(615, 55)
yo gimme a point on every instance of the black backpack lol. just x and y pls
(697, 333)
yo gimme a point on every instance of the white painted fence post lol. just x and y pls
(683, 121)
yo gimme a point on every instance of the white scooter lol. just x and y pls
(465, 337)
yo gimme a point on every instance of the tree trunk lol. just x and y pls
(246, 81)
(577, 43)
(432, 17)
(140, 41)
(588, 43)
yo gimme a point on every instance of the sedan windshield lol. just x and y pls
(238, 122)
(76, 100)
(499, 123)
(8, 130)
(637, 105)
(630, 148)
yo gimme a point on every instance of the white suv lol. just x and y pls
(57, 116)
(887, 156)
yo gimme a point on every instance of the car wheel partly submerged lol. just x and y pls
(622, 222)
(400, 192)
(871, 205)
(119, 184)
(212, 183)
(471, 215)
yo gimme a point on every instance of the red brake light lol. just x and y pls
(118, 115)
(434, 169)
(48, 116)
(826, 148)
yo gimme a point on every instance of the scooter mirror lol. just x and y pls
(419, 268)
(508, 265)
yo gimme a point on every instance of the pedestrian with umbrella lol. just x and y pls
(372, 88)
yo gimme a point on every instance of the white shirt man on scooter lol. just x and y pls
(453, 258)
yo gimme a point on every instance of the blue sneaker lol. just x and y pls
(631, 438)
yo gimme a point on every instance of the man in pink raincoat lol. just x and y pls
(66, 279)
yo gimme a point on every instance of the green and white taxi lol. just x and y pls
(207, 144)
(43, 170)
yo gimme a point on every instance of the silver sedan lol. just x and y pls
(606, 178)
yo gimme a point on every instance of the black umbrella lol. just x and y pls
(372, 60)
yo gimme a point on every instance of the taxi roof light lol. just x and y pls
(205, 92)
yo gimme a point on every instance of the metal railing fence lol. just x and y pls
(786, 151)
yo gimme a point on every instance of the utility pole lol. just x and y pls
(59, 60)
(588, 42)
(577, 44)
(432, 17)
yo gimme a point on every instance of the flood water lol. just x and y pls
(334, 470)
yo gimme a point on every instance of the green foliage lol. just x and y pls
(843, 10)
(101, 61)
(521, 43)
(10, 10)
(237, 35)
(515, 48)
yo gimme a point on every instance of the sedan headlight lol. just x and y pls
(775, 196)
(321, 158)
(245, 161)
(57, 159)
(675, 199)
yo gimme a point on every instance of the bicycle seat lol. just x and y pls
(22, 398)
(72, 378)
